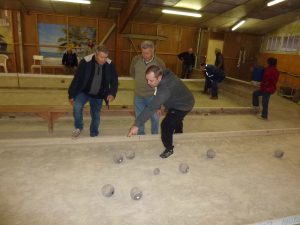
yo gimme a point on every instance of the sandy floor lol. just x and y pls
(59, 181)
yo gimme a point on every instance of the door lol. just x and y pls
(212, 45)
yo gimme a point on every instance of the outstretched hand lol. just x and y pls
(133, 131)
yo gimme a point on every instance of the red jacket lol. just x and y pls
(269, 80)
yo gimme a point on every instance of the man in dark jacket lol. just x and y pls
(95, 80)
(188, 63)
(70, 61)
(219, 62)
(177, 99)
(267, 87)
(213, 76)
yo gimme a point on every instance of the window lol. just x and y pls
(290, 43)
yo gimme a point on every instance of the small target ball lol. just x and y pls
(130, 154)
(211, 153)
(136, 193)
(279, 154)
(184, 168)
(156, 171)
(108, 190)
(118, 158)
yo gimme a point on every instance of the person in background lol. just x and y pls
(267, 88)
(143, 94)
(95, 80)
(257, 72)
(177, 99)
(70, 62)
(188, 63)
(219, 62)
(213, 76)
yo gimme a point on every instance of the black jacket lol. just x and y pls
(83, 75)
(70, 59)
(214, 73)
(188, 59)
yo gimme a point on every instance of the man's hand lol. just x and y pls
(159, 112)
(110, 98)
(71, 101)
(133, 131)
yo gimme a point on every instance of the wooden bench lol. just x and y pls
(51, 113)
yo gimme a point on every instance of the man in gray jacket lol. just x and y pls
(177, 99)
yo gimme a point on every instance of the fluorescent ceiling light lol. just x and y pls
(238, 25)
(188, 5)
(274, 2)
(74, 1)
(175, 12)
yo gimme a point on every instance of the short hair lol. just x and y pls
(147, 44)
(272, 61)
(101, 48)
(155, 69)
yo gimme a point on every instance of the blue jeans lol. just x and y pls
(95, 107)
(139, 104)
(265, 101)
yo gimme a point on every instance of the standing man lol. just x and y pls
(213, 76)
(267, 87)
(188, 63)
(143, 93)
(177, 99)
(219, 62)
(95, 80)
(70, 61)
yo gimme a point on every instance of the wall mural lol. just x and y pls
(6, 38)
(54, 39)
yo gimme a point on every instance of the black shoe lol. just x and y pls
(166, 153)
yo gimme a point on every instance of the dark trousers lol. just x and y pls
(172, 123)
(186, 70)
(265, 101)
(212, 85)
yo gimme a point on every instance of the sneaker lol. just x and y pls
(76, 133)
(166, 153)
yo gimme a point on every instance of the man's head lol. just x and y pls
(217, 50)
(101, 54)
(154, 75)
(147, 48)
(272, 61)
(190, 51)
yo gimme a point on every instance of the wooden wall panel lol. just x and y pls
(285, 62)
(233, 43)
(52, 19)
(173, 38)
(82, 21)
(29, 29)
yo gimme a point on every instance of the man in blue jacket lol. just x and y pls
(96, 80)
(213, 76)
(177, 99)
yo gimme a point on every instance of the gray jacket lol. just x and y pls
(172, 93)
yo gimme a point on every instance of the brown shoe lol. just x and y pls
(214, 97)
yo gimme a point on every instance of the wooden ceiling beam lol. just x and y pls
(127, 13)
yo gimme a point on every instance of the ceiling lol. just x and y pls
(217, 15)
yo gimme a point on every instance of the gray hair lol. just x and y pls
(147, 44)
(101, 48)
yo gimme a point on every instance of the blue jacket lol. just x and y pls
(83, 75)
